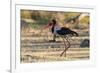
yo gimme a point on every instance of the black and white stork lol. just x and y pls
(63, 32)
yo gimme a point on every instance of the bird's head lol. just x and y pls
(54, 21)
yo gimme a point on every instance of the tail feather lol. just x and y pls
(74, 33)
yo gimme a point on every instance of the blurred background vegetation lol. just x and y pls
(36, 18)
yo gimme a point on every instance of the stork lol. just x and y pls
(63, 32)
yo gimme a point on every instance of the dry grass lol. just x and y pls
(44, 55)
(36, 48)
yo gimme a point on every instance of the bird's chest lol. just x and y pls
(56, 28)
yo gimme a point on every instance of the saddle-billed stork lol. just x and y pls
(63, 32)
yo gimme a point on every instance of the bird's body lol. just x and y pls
(64, 31)
(61, 31)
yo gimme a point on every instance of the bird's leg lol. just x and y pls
(68, 43)
(65, 53)
(65, 47)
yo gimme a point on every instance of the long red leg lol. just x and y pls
(66, 48)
